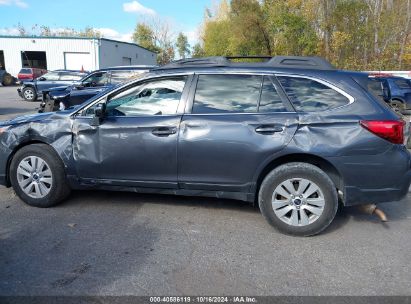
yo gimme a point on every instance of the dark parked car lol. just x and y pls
(292, 133)
(31, 90)
(63, 97)
(396, 91)
(29, 74)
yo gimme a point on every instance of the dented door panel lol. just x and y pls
(127, 150)
(223, 151)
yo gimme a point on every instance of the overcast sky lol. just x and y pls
(115, 19)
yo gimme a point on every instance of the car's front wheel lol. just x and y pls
(298, 199)
(29, 94)
(37, 176)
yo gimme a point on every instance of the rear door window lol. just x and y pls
(270, 99)
(308, 95)
(226, 94)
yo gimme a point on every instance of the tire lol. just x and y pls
(52, 186)
(7, 80)
(29, 94)
(298, 219)
(397, 106)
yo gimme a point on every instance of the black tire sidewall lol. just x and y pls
(59, 189)
(299, 170)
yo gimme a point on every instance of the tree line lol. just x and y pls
(352, 34)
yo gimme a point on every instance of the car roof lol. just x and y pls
(69, 71)
(289, 62)
(131, 67)
(315, 67)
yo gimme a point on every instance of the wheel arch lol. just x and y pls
(29, 86)
(312, 159)
(396, 98)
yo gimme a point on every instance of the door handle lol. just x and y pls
(268, 129)
(164, 131)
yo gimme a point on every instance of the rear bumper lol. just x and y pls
(356, 196)
(375, 178)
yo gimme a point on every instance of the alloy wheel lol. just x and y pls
(298, 201)
(29, 94)
(34, 177)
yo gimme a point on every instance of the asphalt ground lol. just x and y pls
(113, 243)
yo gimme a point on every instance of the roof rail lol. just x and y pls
(310, 62)
(296, 62)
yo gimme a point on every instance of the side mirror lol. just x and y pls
(42, 78)
(100, 110)
(99, 113)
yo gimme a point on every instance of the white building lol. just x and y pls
(71, 53)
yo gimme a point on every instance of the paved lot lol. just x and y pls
(109, 243)
(11, 105)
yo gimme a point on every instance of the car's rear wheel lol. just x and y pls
(397, 106)
(29, 94)
(37, 176)
(298, 199)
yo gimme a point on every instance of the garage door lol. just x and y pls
(78, 61)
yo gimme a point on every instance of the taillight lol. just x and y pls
(391, 130)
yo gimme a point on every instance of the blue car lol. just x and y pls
(396, 91)
(63, 97)
(291, 134)
(32, 90)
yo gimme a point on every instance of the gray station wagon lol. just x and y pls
(292, 134)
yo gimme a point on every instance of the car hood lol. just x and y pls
(38, 117)
(25, 119)
(31, 83)
(60, 88)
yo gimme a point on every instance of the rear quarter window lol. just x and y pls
(308, 95)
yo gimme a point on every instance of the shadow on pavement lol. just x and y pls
(100, 197)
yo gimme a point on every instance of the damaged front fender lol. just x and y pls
(49, 128)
